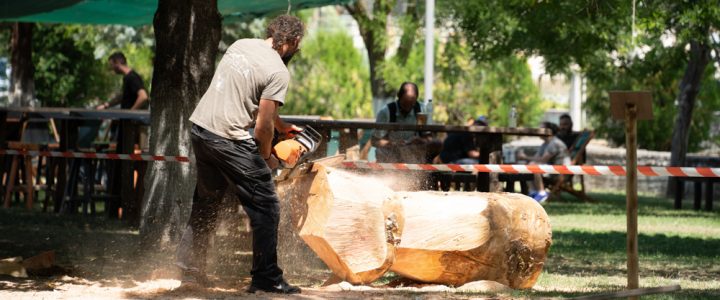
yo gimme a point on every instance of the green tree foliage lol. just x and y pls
(66, 72)
(597, 37)
(329, 78)
(660, 72)
(71, 61)
(465, 88)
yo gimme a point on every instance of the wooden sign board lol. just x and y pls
(620, 99)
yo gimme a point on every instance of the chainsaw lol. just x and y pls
(294, 153)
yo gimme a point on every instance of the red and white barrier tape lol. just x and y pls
(485, 168)
(136, 157)
(541, 169)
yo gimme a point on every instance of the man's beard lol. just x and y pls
(286, 59)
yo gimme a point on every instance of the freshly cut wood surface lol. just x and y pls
(344, 222)
(458, 237)
(361, 228)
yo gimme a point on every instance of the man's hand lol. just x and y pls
(272, 162)
(101, 106)
(286, 130)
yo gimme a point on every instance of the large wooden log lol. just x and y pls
(458, 237)
(351, 226)
(355, 222)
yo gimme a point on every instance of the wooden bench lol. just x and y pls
(698, 183)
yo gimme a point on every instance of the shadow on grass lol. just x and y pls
(614, 204)
(607, 288)
(593, 253)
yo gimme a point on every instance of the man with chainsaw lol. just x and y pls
(232, 132)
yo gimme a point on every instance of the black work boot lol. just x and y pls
(280, 288)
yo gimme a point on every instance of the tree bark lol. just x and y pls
(22, 85)
(187, 34)
(373, 29)
(689, 88)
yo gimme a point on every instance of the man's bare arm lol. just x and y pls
(265, 126)
(142, 97)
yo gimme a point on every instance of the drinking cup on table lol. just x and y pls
(421, 119)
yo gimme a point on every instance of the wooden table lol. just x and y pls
(68, 120)
(490, 139)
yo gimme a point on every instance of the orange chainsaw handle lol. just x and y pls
(289, 152)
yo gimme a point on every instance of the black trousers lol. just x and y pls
(223, 164)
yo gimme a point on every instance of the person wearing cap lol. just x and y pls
(461, 147)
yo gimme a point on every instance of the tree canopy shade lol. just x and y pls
(133, 12)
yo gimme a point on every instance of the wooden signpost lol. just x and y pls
(631, 106)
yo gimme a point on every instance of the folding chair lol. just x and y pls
(564, 183)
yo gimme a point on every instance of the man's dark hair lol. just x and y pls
(566, 116)
(550, 125)
(118, 57)
(284, 29)
(401, 91)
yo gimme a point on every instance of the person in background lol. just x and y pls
(403, 146)
(461, 147)
(565, 132)
(553, 152)
(133, 94)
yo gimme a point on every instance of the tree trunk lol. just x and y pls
(22, 85)
(689, 88)
(373, 29)
(187, 34)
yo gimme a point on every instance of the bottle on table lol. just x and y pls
(429, 111)
(512, 119)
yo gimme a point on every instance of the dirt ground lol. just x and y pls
(98, 258)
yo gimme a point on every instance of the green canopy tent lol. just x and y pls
(134, 12)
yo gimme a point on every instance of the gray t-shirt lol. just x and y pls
(383, 116)
(396, 154)
(250, 70)
(557, 148)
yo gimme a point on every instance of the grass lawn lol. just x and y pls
(588, 251)
(587, 256)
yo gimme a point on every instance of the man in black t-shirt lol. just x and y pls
(565, 132)
(134, 95)
(461, 147)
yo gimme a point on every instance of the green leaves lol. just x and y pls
(329, 78)
(71, 61)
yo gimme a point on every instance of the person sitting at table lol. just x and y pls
(565, 132)
(403, 146)
(554, 152)
(461, 147)
(133, 95)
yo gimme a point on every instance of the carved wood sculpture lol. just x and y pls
(354, 224)
(458, 237)
(350, 226)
